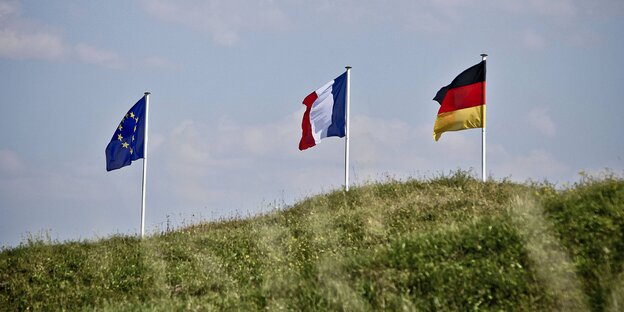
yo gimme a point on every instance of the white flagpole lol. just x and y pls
(483, 117)
(347, 128)
(144, 165)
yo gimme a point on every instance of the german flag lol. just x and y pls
(462, 103)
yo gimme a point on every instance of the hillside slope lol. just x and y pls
(451, 243)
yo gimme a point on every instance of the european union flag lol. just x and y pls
(128, 141)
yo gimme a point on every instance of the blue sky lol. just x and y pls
(227, 79)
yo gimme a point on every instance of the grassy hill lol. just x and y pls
(450, 243)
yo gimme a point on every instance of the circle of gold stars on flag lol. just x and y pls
(130, 121)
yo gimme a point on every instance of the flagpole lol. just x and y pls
(347, 128)
(144, 165)
(483, 58)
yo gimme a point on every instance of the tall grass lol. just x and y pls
(448, 243)
(589, 219)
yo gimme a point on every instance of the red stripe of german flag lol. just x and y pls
(462, 103)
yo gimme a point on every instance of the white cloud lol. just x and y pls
(23, 39)
(225, 20)
(533, 41)
(539, 118)
(190, 147)
(191, 158)
(554, 8)
(430, 16)
(537, 164)
(155, 62)
(40, 45)
(373, 140)
(10, 162)
(97, 56)
(228, 21)
(585, 38)
(7, 9)
(43, 186)
(562, 9)
(604, 8)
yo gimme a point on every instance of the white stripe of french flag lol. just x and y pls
(325, 113)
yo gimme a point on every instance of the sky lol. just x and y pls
(227, 79)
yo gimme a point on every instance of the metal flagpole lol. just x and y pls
(483, 57)
(347, 128)
(144, 165)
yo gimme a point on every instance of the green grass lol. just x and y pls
(450, 243)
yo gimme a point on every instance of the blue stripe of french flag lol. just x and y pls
(325, 113)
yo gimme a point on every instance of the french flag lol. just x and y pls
(325, 113)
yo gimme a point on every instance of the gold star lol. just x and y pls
(125, 144)
(131, 151)
(119, 137)
(133, 138)
(137, 119)
(131, 114)
(120, 127)
(134, 128)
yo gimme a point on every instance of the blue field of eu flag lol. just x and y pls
(128, 141)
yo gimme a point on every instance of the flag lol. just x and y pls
(325, 113)
(462, 103)
(127, 143)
